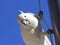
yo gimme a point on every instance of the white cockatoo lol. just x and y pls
(31, 29)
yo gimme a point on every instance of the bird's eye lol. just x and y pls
(24, 16)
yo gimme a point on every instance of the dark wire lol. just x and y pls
(39, 4)
(46, 23)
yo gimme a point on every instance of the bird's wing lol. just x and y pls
(31, 39)
(36, 38)
(39, 29)
(41, 34)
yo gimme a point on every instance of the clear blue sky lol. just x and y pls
(9, 10)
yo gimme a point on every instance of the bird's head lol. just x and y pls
(28, 19)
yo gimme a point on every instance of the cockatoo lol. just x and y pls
(31, 29)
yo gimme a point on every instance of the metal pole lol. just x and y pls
(54, 6)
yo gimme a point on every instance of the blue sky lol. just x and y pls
(9, 10)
